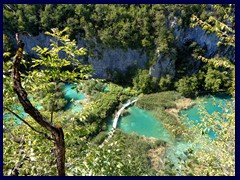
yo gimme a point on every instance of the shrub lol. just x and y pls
(165, 83)
(188, 86)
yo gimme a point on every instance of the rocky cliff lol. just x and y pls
(119, 59)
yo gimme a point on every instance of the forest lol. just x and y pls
(69, 68)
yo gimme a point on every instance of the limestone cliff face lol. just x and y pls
(200, 36)
(166, 64)
(119, 59)
(114, 59)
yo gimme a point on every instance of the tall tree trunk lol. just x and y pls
(56, 131)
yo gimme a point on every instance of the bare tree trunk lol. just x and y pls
(60, 151)
(56, 132)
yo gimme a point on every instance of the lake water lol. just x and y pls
(71, 95)
(143, 123)
(210, 103)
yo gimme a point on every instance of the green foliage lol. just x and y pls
(143, 82)
(44, 80)
(223, 28)
(215, 80)
(188, 86)
(35, 150)
(52, 99)
(100, 138)
(54, 63)
(165, 83)
(127, 26)
(108, 160)
(209, 157)
(222, 23)
(7, 44)
(135, 26)
(91, 86)
(162, 100)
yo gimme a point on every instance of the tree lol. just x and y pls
(225, 31)
(188, 86)
(52, 98)
(165, 83)
(51, 60)
(215, 80)
(143, 82)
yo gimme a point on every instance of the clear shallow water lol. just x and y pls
(175, 153)
(142, 123)
(72, 96)
(211, 104)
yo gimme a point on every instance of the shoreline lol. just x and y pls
(182, 104)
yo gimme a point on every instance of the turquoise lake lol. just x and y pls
(210, 103)
(143, 123)
(71, 95)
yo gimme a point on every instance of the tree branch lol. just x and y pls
(15, 139)
(43, 133)
(56, 131)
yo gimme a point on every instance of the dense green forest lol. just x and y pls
(55, 140)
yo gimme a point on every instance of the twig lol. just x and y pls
(45, 134)
(15, 139)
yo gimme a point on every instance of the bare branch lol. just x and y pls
(14, 138)
(45, 134)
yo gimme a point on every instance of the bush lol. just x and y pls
(143, 82)
(215, 79)
(100, 138)
(165, 83)
(188, 86)
(91, 86)
(161, 100)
